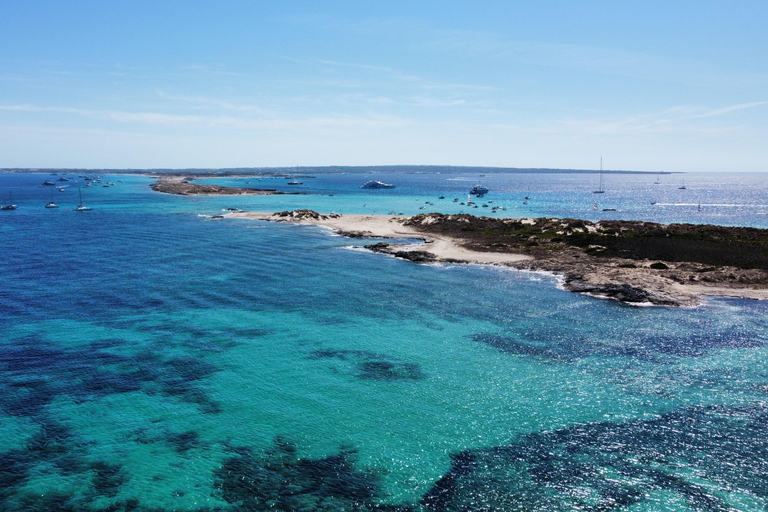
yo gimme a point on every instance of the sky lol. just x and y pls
(645, 85)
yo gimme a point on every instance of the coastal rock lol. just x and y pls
(621, 292)
(415, 256)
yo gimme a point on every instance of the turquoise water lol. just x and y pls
(155, 359)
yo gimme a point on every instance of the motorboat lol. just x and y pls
(377, 184)
(478, 190)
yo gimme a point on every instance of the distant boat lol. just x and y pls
(295, 183)
(600, 189)
(478, 190)
(657, 182)
(81, 207)
(682, 187)
(10, 205)
(377, 184)
(48, 183)
(51, 204)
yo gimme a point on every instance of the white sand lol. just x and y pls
(385, 226)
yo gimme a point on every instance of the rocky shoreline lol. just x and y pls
(182, 185)
(627, 261)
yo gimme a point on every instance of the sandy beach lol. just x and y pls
(384, 226)
(628, 281)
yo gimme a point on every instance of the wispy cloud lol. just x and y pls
(680, 119)
(733, 108)
(388, 77)
(218, 121)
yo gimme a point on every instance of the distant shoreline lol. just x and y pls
(330, 169)
(632, 281)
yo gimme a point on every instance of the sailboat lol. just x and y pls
(51, 204)
(10, 205)
(682, 187)
(600, 189)
(80, 207)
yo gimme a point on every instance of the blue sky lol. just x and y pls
(674, 86)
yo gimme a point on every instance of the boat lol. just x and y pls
(377, 184)
(10, 205)
(51, 203)
(48, 183)
(600, 189)
(682, 187)
(478, 190)
(81, 207)
(295, 183)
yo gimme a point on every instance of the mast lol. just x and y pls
(601, 175)
(600, 183)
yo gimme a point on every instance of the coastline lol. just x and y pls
(628, 281)
(441, 248)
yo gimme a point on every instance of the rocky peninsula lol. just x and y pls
(628, 261)
(183, 186)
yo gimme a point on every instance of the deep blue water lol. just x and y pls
(155, 359)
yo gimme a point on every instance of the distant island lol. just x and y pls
(628, 261)
(333, 169)
(181, 185)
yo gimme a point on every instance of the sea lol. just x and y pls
(154, 357)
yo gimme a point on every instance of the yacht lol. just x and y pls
(478, 190)
(9, 205)
(377, 184)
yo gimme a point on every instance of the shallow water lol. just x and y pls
(154, 359)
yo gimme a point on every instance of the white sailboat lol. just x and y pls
(81, 207)
(600, 189)
(51, 203)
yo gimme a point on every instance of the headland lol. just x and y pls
(183, 186)
(628, 261)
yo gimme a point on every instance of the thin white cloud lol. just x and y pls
(201, 121)
(680, 119)
(733, 108)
